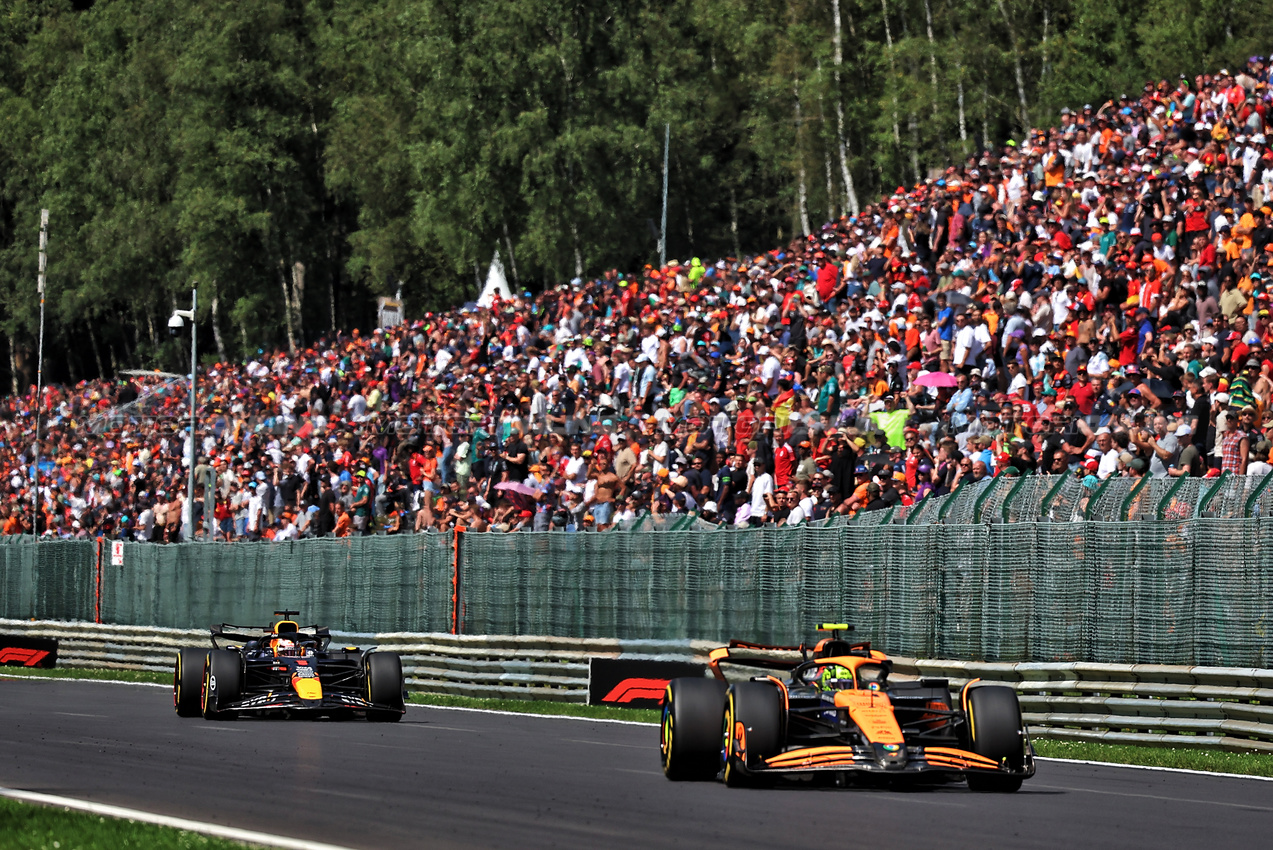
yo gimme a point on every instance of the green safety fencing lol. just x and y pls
(1064, 498)
(1130, 571)
(1163, 592)
(54, 579)
(359, 584)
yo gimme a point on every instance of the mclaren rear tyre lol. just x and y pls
(222, 681)
(689, 736)
(385, 686)
(187, 682)
(994, 731)
(751, 730)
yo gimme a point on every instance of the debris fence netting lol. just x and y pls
(1192, 587)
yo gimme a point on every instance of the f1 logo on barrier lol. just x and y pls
(11, 655)
(634, 683)
(630, 689)
(19, 651)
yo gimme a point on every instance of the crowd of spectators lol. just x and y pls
(1091, 300)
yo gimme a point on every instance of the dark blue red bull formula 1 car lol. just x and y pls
(286, 671)
(836, 711)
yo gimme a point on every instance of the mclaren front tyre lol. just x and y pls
(995, 731)
(689, 736)
(751, 730)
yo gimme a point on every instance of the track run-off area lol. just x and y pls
(457, 778)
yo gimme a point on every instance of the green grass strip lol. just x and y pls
(86, 673)
(1216, 761)
(24, 826)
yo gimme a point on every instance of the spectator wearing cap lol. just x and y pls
(806, 466)
(1241, 394)
(731, 492)
(1228, 439)
(1189, 462)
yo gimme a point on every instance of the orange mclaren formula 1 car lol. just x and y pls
(835, 711)
(286, 671)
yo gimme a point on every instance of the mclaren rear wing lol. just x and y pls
(742, 653)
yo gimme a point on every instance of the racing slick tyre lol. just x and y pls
(751, 731)
(384, 686)
(222, 679)
(689, 736)
(994, 731)
(187, 682)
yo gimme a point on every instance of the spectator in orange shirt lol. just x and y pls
(344, 523)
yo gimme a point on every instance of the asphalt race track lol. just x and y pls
(466, 779)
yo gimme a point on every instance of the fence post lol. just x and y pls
(97, 606)
(681, 523)
(1131, 497)
(457, 605)
(1161, 512)
(912, 518)
(1094, 498)
(1256, 494)
(985, 494)
(1046, 505)
(1012, 494)
(950, 502)
(1211, 494)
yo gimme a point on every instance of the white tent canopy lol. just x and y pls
(496, 284)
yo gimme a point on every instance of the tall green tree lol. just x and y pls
(296, 158)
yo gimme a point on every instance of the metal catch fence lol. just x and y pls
(1182, 583)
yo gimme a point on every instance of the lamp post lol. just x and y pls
(667, 143)
(175, 323)
(39, 377)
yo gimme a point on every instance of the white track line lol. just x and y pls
(247, 836)
(1155, 767)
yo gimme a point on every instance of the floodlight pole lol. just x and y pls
(194, 374)
(39, 376)
(667, 140)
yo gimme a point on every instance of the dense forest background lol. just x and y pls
(297, 158)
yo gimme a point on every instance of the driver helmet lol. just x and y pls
(285, 647)
(835, 676)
